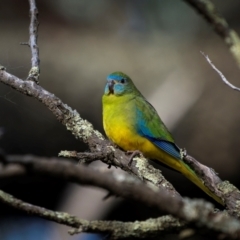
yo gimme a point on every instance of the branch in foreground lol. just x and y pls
(117, 229)
(33, 29)
(193, 211)
(209, 12)
(224, 79)
(138, 229)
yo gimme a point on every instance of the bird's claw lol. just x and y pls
(133, 154)
(183, 152)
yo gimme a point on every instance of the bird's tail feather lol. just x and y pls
(192, 176)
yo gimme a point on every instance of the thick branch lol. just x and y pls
(117, 229)
(207, 9)
(121, 184)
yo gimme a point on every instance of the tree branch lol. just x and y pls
(117, 229)
(224, 79)
(121, 184)
(66, 170)
(33, 29)
(207, 9)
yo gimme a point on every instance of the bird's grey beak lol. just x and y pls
(111, 86)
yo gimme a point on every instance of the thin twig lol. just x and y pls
(224, 79)
(207, 9)
(85, 157)
(33, 34)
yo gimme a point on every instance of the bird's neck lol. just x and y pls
(114, 99)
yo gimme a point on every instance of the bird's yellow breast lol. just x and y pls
(123, 136)
(118, 121)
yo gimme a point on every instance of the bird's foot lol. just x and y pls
(133, 154)
(183, 152)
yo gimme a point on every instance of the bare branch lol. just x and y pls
(85, 157)
(224, 79)
(33, 32)
(209, 12)
(111, 181)
(117, 229)
(138, 229)
(121, 184)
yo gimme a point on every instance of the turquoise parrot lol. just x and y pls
(132, 123)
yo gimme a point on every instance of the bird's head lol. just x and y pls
(118, 84)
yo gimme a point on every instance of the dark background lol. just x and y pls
(158, 44)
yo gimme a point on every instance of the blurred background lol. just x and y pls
(158, 44)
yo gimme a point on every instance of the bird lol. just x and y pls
(133, 124)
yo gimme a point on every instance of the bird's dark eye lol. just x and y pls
(123, 80)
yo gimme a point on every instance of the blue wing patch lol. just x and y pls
(166, 146)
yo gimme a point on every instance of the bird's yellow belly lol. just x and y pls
(123, 137)
(129, 140)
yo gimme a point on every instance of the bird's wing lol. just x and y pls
(150, 126)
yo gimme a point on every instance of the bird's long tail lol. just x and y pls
(187, 171)
(191, 175)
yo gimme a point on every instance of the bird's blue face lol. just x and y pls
(117, 84)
